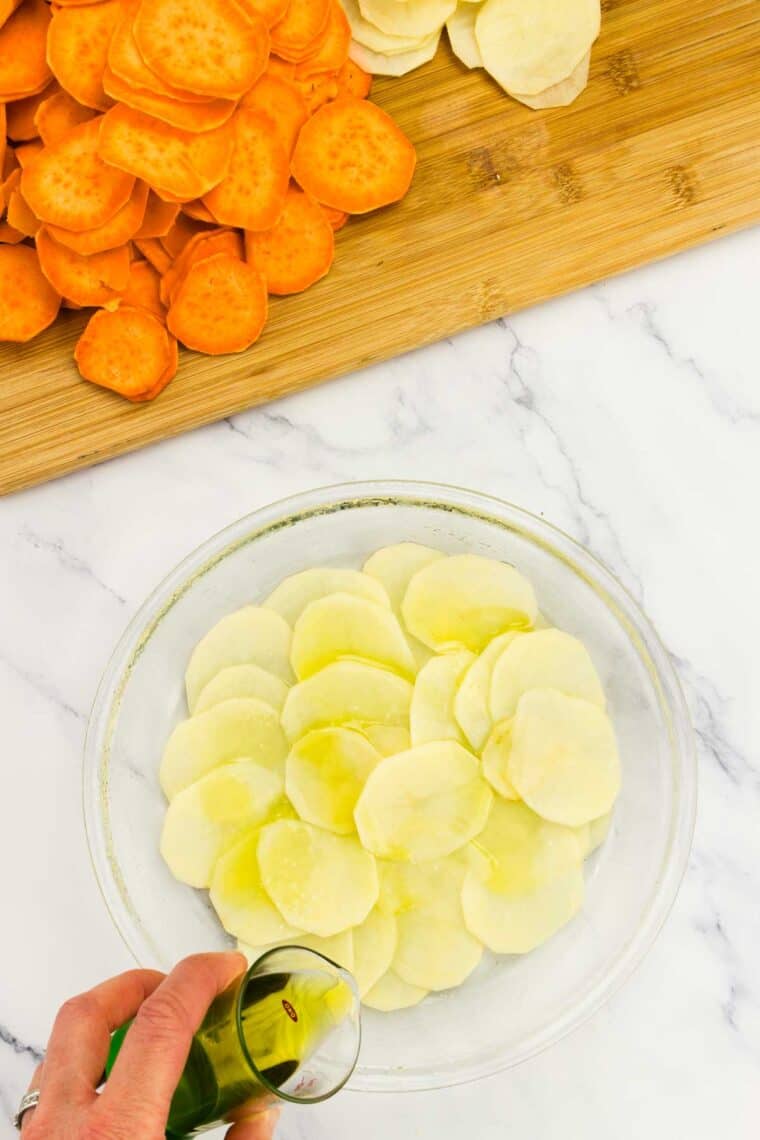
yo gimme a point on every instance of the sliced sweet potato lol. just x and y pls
(318, 89)
(9, 235)
(127, 350)
(117, 231)
(183, 164)
(336, 218)
(353, 80)
(252, 193)
(71, 186)
(270, 11)
(166, 376)
(142, 291)
(198, 211)
(93, 280)
(281, 102)
(23, 40)
(125, 61)
(298, 250)
(9, 184)
(20, 216)
(200, 247)
(281, 68)
(221, 306)
(21, 116)
(25, 152)
(77, 50)
(7, 8)
(332, 52)
(58, 114)
(29, 302)
(183, 231)
(159, 217)
(299, 32)
(154, 252)
(351, 155)
(193, 117)
(3, 139)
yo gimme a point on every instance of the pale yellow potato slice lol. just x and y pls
(434, 887)
(321, 883)
(342, 626)
(461, 31)
(339, 948)
(236, 729)
(431, 716)
(239, 898)
(495, 757)
(434, 953)
(346, 692)
(562, 93)
(408, 18)
(515, 924)
(529, 45)
(387, 738)
(391, 993)
(398, 63)
(471, 703)
(251, 636)
(371, 37)
(517, 851)
(242, 681)
(546, 659)
(207, 818)
(424, 803)
(564, 760)
(465, 601)
(395, 566)
(374, 944)
(294, 593)
(325, 773)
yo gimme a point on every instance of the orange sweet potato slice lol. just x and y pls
(299, 31)
(10, 182)
(252, 193)
(21, 115)
(317, 89)
(166, 376)
(117, 231)
(20, 216)
(71, 186)
(125, 61)
(332, 52)
(182, 164)
(353, 80)
(126, 350)
(25, 152)
(3, 140)
(197, 210)
(351, 155)
(211, 47)
(154, 252)
(23, 40)
(336, 218)
(200, 247)
(298, 250)
(28, 302)
(194, 117)
(93, 280)
(77, 50)
(158, 219)
(7, 8)
(270, 11)
(281, 68)
(281, 102)
(142, 291)
(183, 230)
(220, 306)
(9, 235)
(58, 114)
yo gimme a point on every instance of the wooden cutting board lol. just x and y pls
(509, 206)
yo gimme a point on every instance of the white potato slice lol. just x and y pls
(471, 703)
(207, 818)
(564, 759)
(562, 93)
(465, 601)
(408, 18)
(242, 681)
(342, 626)
(547, 659)
(239, 898)
(461, 31)
(431, 716)
(424, 803)
(593, 834)
(294, 593)
(370, 36)
(321, 883)
(346, 692)
(517, 852)
(251, 636)
(325, 773)
(401, 63)
(374, 944)
(515, 924)
(387, 738)
(339, 948)
(495, 757)
(390, 993)
(395, 566)
(434, 887)
(529, 45)
(242, 728)
(434, 953)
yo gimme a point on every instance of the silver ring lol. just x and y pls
(28, 1101)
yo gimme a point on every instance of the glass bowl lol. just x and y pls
(512, 1007)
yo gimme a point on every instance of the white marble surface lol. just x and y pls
(629, 414)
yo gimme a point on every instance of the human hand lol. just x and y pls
(167, 1011)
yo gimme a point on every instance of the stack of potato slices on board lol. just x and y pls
(398, 766)
(172, 163)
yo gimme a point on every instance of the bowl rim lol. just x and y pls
(328, 499)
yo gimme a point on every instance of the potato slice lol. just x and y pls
(346, 692)
(342, 626)
(370, 36)
(321, 883)
(408, 18)
(515, 924)
(339, 948)
(205, 819)
(517, 852)
(564, 759)
(471, 703)
(401, 63)
(242, 681)
(236, 729)
(239, 898)
(294, 593)
(395, 566)
(374, 944)
(559, 94)
(434, 887)
(434, 953)
(325, 773)
(252, 635)
(387, 738)
(592, 835)
(461, 31)
(529, 45)
(431, 716)
(465, 601)
(547, 659)
(424, 803)
(495, 759)
(391, 993)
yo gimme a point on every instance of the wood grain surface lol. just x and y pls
(509, 206)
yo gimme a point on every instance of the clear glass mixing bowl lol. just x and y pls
(511, 1007)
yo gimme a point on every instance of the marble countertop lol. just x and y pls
(629, 415)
